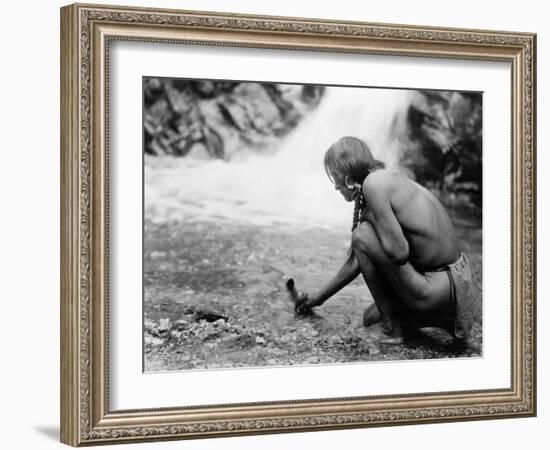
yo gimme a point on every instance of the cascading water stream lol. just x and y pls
(289, 186)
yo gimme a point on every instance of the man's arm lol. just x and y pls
(378, 191)
(347, 273)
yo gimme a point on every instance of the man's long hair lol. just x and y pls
(351, 156)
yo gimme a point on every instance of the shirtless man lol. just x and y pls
(404, 245)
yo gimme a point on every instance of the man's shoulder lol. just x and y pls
(382, 180)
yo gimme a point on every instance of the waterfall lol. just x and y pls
(288, 187)
(366, 113)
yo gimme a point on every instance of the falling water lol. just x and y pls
(288, 187)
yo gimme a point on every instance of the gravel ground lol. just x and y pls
(215, 297)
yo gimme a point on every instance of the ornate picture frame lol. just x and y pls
(86, 34)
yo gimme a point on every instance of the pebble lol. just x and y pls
(151, 340)
(164, 324)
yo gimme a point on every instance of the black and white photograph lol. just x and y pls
(300, 224)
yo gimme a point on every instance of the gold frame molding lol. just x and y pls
(86, 31)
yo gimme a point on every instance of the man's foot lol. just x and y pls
(383, 334)
(376, 332)
(392, 341)
(380, 328)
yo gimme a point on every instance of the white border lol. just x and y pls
(131, 389)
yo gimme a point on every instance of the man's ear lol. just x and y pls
(350, 182)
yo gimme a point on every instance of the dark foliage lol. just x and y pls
(444, 143)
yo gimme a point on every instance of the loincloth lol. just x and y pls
(465, 296)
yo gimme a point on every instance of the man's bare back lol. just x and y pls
(422, 224)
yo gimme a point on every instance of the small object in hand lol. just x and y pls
(302, 307)
(299, 300)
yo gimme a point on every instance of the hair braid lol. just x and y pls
(358, 208)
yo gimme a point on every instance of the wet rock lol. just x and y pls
(220, 115)
(199, 151)
(205, 314)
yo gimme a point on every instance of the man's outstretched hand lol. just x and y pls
(303, 305)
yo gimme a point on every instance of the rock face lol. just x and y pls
(219, 118)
